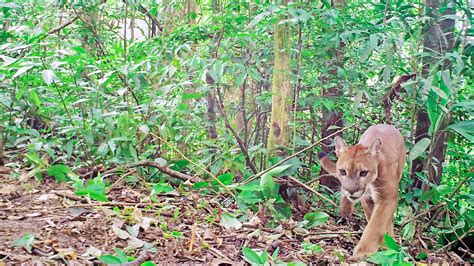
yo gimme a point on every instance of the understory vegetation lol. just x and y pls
(224, 105)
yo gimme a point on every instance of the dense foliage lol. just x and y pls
(76, 94)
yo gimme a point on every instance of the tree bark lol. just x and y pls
(437, 41)
(332, 117)
(281, 86)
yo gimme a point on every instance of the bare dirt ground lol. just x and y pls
(182, 228)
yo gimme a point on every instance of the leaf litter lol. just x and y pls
(40, 226)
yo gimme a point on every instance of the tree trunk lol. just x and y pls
(437, 40)
(281, 86)
(332, 117)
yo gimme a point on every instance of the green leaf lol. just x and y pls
(408, 231)
(109, 259)
(251, 256)
(384, 257)
(443, 190)
(421, 256)
(121, 255)
(35, 98)
(148, 263)
(419, 148)
(249, 197)
(465, 129)
(226, 179)
(26, 241)
(59, 171)
(162, 188)
(240, 79)
(314, 219)
(391, 243)
(95, 189)
(230, 222)
(440, 92)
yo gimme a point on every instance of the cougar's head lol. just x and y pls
(356, 167)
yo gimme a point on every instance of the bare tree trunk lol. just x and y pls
(281, 87)
(437, 40)
(332, 117)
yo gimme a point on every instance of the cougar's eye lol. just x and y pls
(363, 173)
(343, 172)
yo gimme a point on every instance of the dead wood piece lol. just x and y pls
(71, 197)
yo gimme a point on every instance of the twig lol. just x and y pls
(423, 213)
(144, 256)
(454, 241)
(193, 238)
(71, 197)
(303, 185)
(195, 164)
(165, 169)
(62, 26)
(317, 178)
(250, 179)
(242, 145)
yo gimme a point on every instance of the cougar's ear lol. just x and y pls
(340, 145)
(374, 148)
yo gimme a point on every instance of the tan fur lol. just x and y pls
(380, 152)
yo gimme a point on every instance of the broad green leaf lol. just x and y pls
(465, 129)
(391, 243)
(162, 188)
(408, 231)
(226, 179)
(26, 241)
(314, 219)
(148, 263)
(230, 222)
(251, 256)
(121, 255)
(249, 197)
(440, 92)
(240, 79)
(95, 189)
(59, 171)
(384, 257)
(109, 259)
(419, 148)
(35, 98)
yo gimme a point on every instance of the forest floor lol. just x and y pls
(183, 228)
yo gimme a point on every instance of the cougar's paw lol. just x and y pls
(361, 252)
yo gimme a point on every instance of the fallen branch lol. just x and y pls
(303, 185)
(166, 170)
(71, 197)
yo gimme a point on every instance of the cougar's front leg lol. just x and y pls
(368, 205)
(378, 225)
(346, 207)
